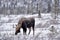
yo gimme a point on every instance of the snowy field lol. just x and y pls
(42, 28)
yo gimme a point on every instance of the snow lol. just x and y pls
(7, 32)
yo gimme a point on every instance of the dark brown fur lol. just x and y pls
(25, 23)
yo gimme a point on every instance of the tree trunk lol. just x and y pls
(56, 8)
(38, 11)
(39, 14)
(49, 7)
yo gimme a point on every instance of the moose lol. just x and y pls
(25, 23)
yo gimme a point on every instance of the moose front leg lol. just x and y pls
(29, 31)
(24, 31)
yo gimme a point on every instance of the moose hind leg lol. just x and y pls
(33, 28)
(33, 25)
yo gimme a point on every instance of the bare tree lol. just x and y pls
(38, 9)
(28, 9)
(56, 8)
(49, 6)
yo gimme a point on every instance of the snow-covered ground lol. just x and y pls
(42, 28)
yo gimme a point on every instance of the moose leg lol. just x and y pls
(24, 31)
(29, 31)
(24, 26)
(33, 29)
(33, 25)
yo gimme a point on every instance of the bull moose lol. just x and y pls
(25, 23)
